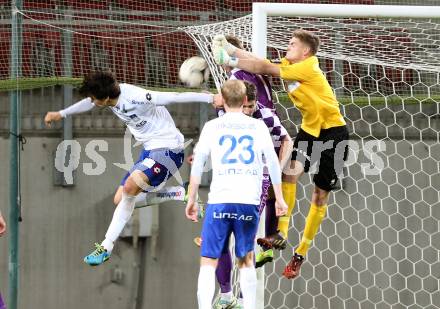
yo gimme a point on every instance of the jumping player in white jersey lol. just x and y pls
(236, 144)
(151, 124)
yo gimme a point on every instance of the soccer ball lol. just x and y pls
(194, 72)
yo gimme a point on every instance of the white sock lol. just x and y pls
(108, 245)
(206, 287)
(248, 285)
(141, 199)
(226, 296)
(121, 216)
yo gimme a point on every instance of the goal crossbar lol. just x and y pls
(345, 10)
(260, 12)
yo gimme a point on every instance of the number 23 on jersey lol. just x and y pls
(237, 149)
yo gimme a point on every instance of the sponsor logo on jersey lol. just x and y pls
(169, 194)
(232, 215)
(235, 126)
(134, 117)
(141, 124)
(156, 169)
(238, 171)
(124, 110)
(138, 102)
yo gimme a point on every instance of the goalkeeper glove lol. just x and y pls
(220, 41)
(221, 57)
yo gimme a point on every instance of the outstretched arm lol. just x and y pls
(226, 53)
(253, 65)
(220, 41)
(80, 107)
(244, 54)
(165, 98)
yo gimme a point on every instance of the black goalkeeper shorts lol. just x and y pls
(324, 155)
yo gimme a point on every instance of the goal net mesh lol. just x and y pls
(379, 245)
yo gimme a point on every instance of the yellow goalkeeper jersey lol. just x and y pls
(311, 93)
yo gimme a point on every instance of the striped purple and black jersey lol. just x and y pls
(261, 82)
(265, 108)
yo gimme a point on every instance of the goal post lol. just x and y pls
(260, 13)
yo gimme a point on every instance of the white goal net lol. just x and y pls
(379, 245)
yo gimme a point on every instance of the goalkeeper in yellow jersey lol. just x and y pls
(321, 143)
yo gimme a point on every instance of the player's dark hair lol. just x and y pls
(234, 41)
(100, 85)
(251, 91)
(308, 38)
(234, 93)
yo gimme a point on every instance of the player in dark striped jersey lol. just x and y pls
(323, 136)
(260, 106)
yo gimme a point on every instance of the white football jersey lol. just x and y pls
(149, 123)
(236, 144)
(144, 114)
